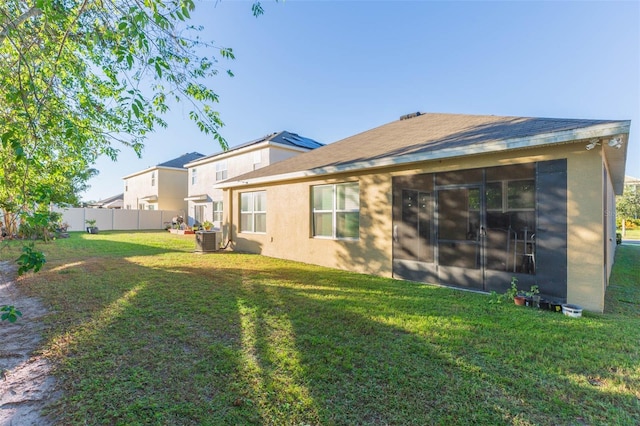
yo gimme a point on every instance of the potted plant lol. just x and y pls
(532, 297)
(91, 226)
(207, 225)
(514, 293)
(545, 304)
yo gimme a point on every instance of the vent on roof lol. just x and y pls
(408, 116)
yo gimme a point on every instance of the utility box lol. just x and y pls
(207, 241)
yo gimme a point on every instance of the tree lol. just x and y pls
(628, 205)
(80, 78)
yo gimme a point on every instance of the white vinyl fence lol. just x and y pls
(116, 219)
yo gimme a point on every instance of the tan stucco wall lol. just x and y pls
(288, 233)
(172, 189)
(585, 244)
(289, 227)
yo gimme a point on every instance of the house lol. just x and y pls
(161, 187)
(632, 183)
(205, 202)
(467, 201)
(113, 202)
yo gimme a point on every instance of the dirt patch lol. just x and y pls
(26, 385)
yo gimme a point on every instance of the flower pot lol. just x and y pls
(545, 304)
(519, 300)
(569, 310)
(536, 301)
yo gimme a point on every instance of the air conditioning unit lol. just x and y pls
(207, 241)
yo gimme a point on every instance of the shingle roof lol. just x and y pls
(111, 199)
(108, 201)
(421, 134)
(179, 162)
(284, 138)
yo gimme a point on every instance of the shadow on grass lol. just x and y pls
(240, 339)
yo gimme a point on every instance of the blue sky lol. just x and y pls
(331, 69)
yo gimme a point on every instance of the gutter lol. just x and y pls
(152, 168)
(244, 150)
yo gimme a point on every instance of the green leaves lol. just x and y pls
(30, 259)
(9, 313)
(256, 9)
(9, 140)
(82, 79)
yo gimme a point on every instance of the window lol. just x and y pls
(151, 207)
(221, 170)
(153, 178)
(253, 212)
(493, 193)
(198, 213)
(521, 195)
(126, 185)
(194, 176)
(217, 211)
(510, 195)
(336, 210)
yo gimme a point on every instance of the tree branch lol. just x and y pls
(34, 11)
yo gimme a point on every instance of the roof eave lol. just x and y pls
(544, 139)
(243, 150)
(152, 168)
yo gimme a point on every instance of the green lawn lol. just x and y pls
(143, 331)
(632, 234)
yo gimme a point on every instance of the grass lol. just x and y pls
(143, 331)
(632, 234)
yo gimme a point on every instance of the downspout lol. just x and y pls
(228, 200)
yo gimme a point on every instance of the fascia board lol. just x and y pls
(138, 173)
(243, 150)
(150, 169)
(227, 154)
(544, 139)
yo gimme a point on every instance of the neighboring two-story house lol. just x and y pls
(632, 183)
(204, 202)
(161, 187)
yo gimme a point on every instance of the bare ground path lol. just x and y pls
(26, 385)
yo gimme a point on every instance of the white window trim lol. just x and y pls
(215, 211)
(252, 212)
(334, 212)
(221, 170)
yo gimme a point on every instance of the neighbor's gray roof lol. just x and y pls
(179, 162)
(283, 138)
(109, 200)
(427, 136)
